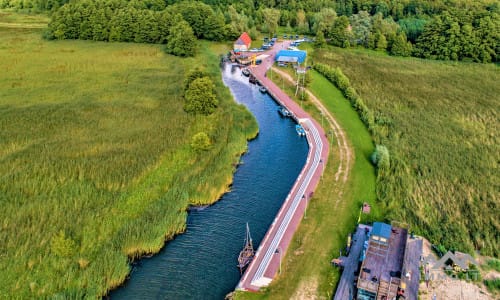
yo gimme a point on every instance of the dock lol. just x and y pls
(345, 287)
(272, 249)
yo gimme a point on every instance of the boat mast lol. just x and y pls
(248, 238)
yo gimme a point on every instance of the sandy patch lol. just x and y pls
(307, 290)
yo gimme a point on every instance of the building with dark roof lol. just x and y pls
(291, 56)
(389, 268)
(242, 43)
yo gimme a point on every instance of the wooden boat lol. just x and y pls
(247, 254)
(300, 130)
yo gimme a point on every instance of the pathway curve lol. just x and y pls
(345, 151)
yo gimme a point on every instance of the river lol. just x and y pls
(201, 263)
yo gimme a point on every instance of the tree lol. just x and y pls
(361, 26)
(339, 33)
(401, 47)
(200, 97)
(380, 42)
(320, 39)
(192, 76)
(271, 18)
(181, 41)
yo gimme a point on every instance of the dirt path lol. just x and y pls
(345, 151)
(23, 25)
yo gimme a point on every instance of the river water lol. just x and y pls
(201, 263)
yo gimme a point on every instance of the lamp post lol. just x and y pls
(279, 251)
(305, 209)
(331, 138)
(321, 112)
(322, 167)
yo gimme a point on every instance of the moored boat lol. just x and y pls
(300, 130)
(263, 90)
(252, 79)
(245, 72)
(284, 112)
(247, 254)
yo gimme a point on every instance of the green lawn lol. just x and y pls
(333, 211)
(439, 121)
(95, 159)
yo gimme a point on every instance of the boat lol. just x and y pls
(245, 72)
(247, 254)
(284, 112)
(300, 130)
(252, 79)
(262, 89)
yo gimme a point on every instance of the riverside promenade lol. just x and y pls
(268, 258)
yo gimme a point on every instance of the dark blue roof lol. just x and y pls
(381, 229)
(285, 54)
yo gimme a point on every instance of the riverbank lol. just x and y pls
(96, 167)
(214, 235)
(333, 211)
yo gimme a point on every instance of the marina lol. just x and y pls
(206, 255)
(265, 264)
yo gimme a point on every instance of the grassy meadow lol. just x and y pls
(96, 166)
(334, 208)
(439, 121)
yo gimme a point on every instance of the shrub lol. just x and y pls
(380, 158)
(200, 142)
(200, 97)
(62, 246)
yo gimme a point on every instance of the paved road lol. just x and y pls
(273, 247)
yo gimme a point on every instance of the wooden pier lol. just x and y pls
(267, 260)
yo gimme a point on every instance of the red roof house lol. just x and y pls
(242, 43)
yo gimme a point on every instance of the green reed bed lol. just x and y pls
(95, 159)
(439, 121)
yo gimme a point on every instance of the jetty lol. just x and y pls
(272, 249)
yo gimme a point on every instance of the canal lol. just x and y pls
(201, 263)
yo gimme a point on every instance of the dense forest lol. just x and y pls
(446, 29)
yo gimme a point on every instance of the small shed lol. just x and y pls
(242, 43)
(381, 232)
(291, 56)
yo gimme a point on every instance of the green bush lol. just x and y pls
(200, 97)
(200, 142)
(493, 285)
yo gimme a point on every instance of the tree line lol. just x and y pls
(441, 29)
(178, 25)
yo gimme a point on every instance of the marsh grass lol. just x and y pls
(94, 143)
(439, 121)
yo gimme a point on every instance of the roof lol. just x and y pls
(381, 229)
(285, 55)
(244, 39)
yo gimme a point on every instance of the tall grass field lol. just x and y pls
(439, 121)
(96, 166)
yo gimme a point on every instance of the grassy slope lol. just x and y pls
(440, 123)
(95, 144)
(330, 216)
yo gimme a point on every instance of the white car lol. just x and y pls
(254, 50)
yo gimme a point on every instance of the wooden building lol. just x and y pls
(242, 43)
